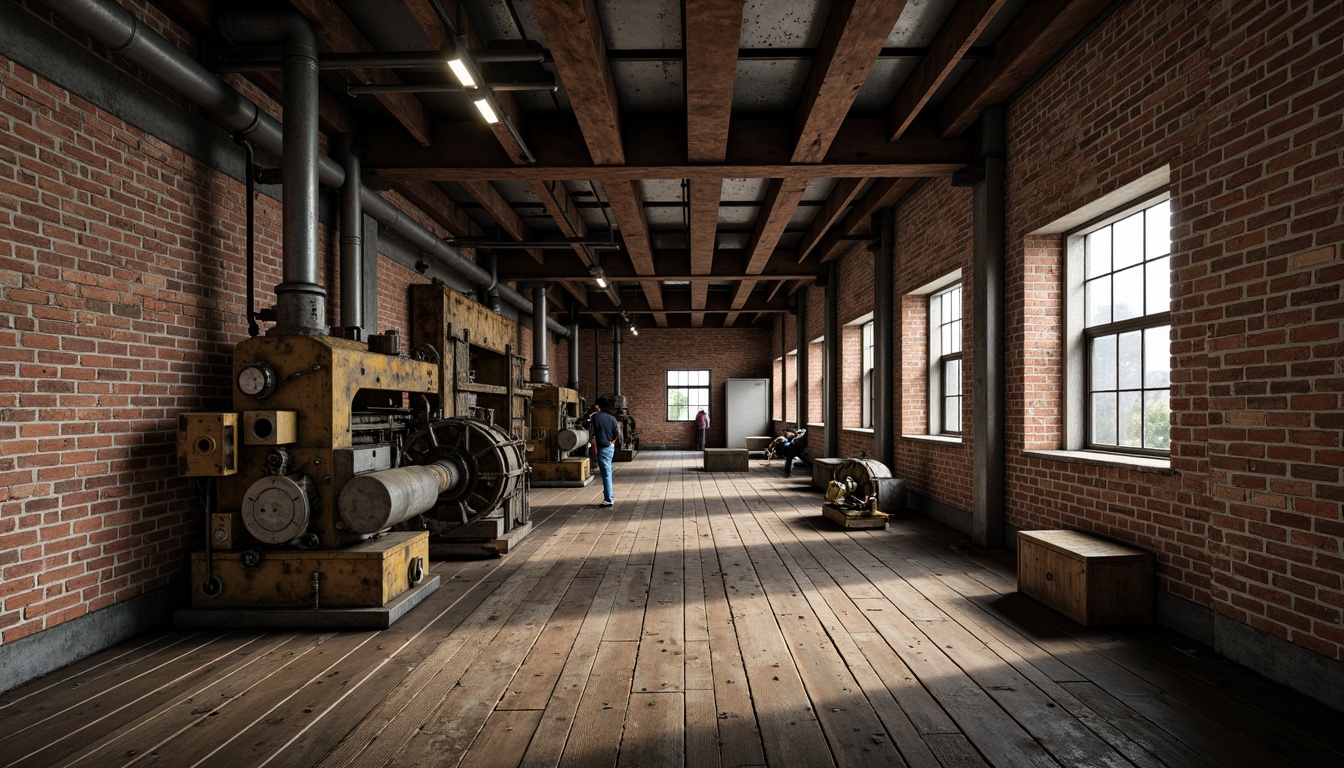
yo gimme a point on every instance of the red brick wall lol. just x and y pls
(727, 353)
(1242, 102)
(933, 239)
(855, 275)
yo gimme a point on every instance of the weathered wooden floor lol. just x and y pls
(710, 619)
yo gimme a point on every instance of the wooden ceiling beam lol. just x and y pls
(840, 198)
(857, 223)
(340, 34)
(679, 303)
(954, 38)
(499, 209)
(426, 196)
(627, 206)
(672, 265)
(467, 151)
(578, 47)
(1040, 31)
(713, 30)
(705, 195)
(855, 33)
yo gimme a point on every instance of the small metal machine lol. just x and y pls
(557, 432)
(863, 494)
(629, 441)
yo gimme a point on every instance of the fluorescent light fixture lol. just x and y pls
(599, 276)
(601, 282)
(487, 111)
(462, 72)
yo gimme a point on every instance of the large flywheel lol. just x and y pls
(492, 462)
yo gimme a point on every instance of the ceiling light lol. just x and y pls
(462, 72)
(487, 111)
(599, 276)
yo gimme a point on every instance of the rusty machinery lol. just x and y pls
(863, 494)
(628, 443)
(557, 432)
(341, 465)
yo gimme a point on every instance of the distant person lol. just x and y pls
(701, 429)
(605, 431)
(788, 445)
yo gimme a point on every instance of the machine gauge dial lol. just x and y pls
(257, 381)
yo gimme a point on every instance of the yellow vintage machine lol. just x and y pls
(341, 470)
(557, 432)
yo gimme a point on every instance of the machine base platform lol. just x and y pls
(452, 549)
(570, 473)
(307, 618)
(624, 454)
(851, 519)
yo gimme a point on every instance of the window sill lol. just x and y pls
(815, 425)
(858, 430)
(936, 439)
(1101, 459)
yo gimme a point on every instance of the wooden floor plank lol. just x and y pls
(708, 619)
(595, 738)
(655, 731)
(503, 740)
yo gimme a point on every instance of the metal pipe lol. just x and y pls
(396, 60)
(541, 372)
(251, 173)
(365, 90)
(120, 32)
(300, 303)
(573, 349)
(616, 358)
(831, 355)
(352, 237)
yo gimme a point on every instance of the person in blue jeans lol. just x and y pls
(605, 431)
(788, 446)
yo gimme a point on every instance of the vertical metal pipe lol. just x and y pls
(597, 364)
(616, 358)
(572, 347)
(987, 387)
(369, 267)
(541, 372)
(884, 228)
(300, 303)
(831, 356)
(352, 238)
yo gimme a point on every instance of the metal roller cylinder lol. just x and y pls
(572, 439)
(379, 500)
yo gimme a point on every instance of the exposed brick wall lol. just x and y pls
(933, 239)
(855, 276)
(1242, 102)
(731, 353)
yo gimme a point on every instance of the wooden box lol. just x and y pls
(1092, 581)
(726, 460)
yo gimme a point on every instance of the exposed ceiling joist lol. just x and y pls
(954, 38)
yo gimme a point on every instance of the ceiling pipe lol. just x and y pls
(120, 32)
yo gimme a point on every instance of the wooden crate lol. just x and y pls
(726, 460)
(1090, 580)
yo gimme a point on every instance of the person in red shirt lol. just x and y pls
(701, 429)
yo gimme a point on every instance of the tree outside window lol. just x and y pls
(687, 394)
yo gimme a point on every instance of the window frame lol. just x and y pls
(867, 362)
(1080, 339)
(692, 406)
(939, 360)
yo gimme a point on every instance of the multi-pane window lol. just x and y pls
(866, 414)
(1127, 330)
(687, 394)
(945, 362)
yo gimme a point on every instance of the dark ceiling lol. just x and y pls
(709, 157)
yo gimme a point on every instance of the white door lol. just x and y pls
(746, 410)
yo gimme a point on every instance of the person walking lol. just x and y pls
(701, 429)
(605, 431)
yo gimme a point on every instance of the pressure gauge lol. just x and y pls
(257, 381)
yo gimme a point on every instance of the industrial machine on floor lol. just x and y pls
(863, 494)
(557, 433)
(629, 442)
(332, 474)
